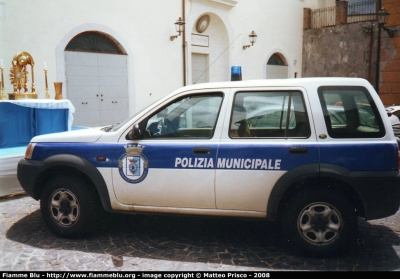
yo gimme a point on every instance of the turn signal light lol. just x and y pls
(29, 150)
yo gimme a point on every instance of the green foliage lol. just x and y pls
(369, 29)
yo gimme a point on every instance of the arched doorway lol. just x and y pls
(209, 53)
(277, 67)
(96, 79)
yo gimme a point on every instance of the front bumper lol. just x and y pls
(28, 173)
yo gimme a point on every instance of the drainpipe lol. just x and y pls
(184, 44)
(371, 43)
(378, 58)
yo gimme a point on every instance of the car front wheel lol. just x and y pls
(69, 207)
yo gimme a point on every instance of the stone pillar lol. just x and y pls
(306, 18)
(341, 12)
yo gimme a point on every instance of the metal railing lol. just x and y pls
(323, 17)
(361, 11)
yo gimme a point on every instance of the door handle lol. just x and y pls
(298, 150)
(202, 150)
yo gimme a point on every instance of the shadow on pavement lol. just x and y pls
(250, 243)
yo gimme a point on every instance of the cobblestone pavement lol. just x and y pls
(176, 243)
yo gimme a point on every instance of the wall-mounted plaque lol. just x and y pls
(200, 40)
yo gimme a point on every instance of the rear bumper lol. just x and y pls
(379, 192)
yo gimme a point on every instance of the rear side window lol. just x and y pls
(270, 114)
(350, 112)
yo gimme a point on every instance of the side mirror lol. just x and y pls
(134, 134)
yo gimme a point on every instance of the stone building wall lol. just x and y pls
(351, 50)
(347, 50)
(389, 86)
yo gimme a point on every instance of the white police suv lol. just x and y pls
(311, 153)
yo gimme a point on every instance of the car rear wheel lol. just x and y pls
(320, 222)
(69, 207)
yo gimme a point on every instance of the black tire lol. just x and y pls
(69, 207)
(320, 222)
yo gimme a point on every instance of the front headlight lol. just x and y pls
(29, 151)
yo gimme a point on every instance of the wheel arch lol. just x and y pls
(77, 166)
(308, 177)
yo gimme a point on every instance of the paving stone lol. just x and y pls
(84, 259)
(36, 265)
(18, 267)
(146, 243)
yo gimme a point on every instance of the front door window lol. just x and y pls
(189, 117)
(179, 151)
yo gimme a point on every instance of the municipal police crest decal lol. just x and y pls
(133, 165)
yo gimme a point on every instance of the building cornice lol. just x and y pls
(227, 4)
